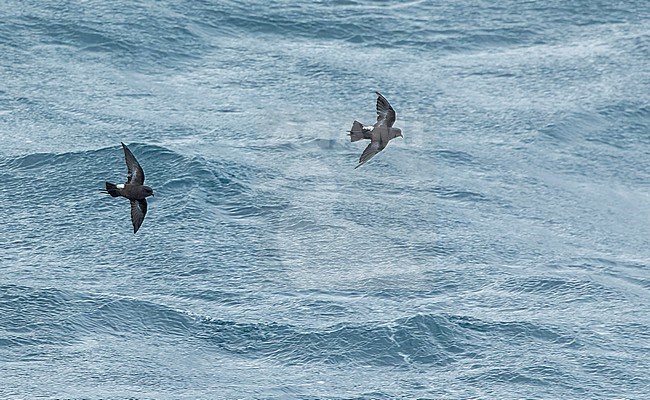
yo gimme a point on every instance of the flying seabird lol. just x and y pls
(379, 134)
(133, 189)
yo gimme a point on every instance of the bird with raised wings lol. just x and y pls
(134, 189)
(379, 134)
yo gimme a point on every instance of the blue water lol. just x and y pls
(499, 251)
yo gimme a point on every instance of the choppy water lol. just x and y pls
(500, 250)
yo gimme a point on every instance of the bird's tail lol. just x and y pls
(112, 189)
(356, 132)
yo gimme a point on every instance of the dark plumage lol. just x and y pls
(379, 134)
(134, 189)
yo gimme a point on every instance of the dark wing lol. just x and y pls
(138, 211)
(369, 152)
(385, 112)
(136, 174)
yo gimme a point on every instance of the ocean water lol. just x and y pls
(500, 250)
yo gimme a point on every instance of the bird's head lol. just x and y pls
(147, 191)
(398, 132)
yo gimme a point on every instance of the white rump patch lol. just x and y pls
(120, 186)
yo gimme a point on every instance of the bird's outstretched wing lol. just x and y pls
(136, 174)
(138, 211)
(369, 152)
(385, 112)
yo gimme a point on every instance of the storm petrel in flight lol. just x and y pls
(379, 134)
(133, 189)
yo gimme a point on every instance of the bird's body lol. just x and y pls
(134, 189)
(131, 192)
(379, 134)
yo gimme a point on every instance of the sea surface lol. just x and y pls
(500, 250)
